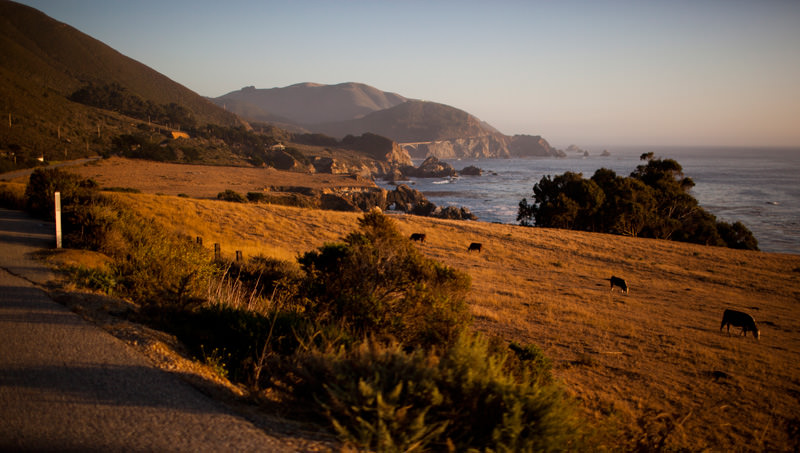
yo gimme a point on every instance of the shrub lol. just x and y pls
(96, 279)
(469, 397)
(12, 195)
(42, 185)
(376, 283)
(255, 197)
(266, 275)
(159, 271)
(230, 195)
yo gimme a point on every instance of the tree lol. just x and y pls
(737, 236)
(654, 201)
(566, 201)
(629, 205)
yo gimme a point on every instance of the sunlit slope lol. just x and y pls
(653, 358)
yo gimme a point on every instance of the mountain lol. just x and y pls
(411, 121)
(422, 128)
(309, 103)
(44, 62)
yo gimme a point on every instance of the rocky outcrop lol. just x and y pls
(412, 201)
(454, 213)
(282, 160)
(430, 168)
(354, 200)
(336, 166)
(488, 146)
(379, 148)
(404, 198)
(531, 146)
(471, 171)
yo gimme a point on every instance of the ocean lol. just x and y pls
(759, 187)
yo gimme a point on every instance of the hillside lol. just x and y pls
(412, 121)
(309, 103)
(422, 128)
(651, 364)
(43, 62)
(67, 95)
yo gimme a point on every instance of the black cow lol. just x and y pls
(475, 246)
(616, 281)
(418, 237)
(739, 319)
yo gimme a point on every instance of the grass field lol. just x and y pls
(651, 362)
(651, 366)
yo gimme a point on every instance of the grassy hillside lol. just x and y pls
(412, 121)
(43, 62)
(652, 363)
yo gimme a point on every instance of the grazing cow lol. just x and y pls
(739, 319)
(475, 246)
(418, 237)
(616, 281)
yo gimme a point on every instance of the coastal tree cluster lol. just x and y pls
(654, 202)
(115, 97)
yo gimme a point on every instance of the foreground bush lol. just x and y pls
(467, 397)
(154, 268)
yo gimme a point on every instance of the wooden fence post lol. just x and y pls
(217, 251)
(58, 219)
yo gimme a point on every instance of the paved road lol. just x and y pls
(66, 385)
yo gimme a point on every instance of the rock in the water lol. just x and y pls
(471, 171)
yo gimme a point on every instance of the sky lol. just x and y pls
(593, 73)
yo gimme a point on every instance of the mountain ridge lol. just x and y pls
(347, 100)
(422, 127)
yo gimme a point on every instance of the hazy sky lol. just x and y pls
(592, 73)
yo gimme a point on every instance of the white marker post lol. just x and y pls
(58, 220)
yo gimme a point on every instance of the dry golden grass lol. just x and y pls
(653, 361)
(203, 181)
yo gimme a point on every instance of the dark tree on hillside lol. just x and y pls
(654, 201)
(566, 201)
(629, 206)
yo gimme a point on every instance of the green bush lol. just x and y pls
(230, 195)
(159, 271)
(256, 197)
(11, 196)
(96, 279)
(376, 283)
(264, 276)
(44, 182)
(468, 397)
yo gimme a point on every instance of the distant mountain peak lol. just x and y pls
(353, 108)
(310, 103)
